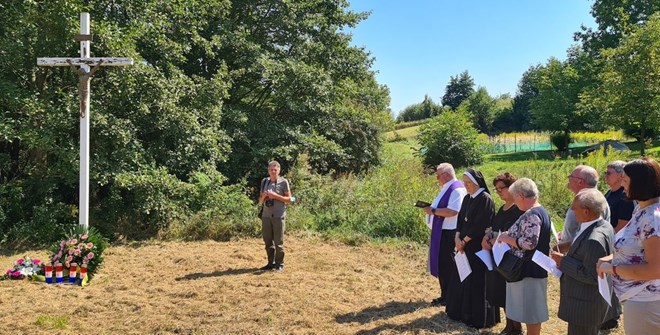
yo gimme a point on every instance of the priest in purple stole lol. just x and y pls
(441, 219)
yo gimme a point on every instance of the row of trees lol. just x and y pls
(610, 79)
(219, 89)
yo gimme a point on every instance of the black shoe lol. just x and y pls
(266, 267)
(609, 324)
(438, 302)
(278, 267)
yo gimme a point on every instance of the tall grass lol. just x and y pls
(379, 205)
(551, 176)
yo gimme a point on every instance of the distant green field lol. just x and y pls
(403, 134)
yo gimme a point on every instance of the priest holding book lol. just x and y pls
(441, 217)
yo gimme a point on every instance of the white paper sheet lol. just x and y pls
(547, 263)
(485, 257)
(499, 248)
(604, 289)
(554, 232)
(463, 265)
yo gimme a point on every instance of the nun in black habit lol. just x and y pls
(468, 302)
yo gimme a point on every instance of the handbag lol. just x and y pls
(511, 266)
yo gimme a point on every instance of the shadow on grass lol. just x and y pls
(390, 309)
(437, 324)
(228, 272)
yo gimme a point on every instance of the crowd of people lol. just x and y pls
(615, 236)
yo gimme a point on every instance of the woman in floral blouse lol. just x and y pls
(526, 300)
(635, 264)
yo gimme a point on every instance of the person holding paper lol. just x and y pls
(505, 217)
(527, 299)
(583, 176)
(580, 303)
(467, 302)
(441, 217)
(635, 262)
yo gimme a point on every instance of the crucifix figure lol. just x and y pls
(87, 66)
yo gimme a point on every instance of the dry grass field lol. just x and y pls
(215, 288)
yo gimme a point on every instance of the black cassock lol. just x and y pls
(467, 301)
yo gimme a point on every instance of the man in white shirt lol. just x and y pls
(442, 216)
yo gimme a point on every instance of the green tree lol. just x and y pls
(554, 108)
(458, 89)
(630, 90)
(521, 115)
(481, 106)
(294, 73)
(218, 89)
(615, 19)
(420, 111)
(451, 137)
(503, 120)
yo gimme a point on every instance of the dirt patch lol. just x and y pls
(215, 288)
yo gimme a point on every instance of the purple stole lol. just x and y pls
(436, 229)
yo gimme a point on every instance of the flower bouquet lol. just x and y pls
(82, 248)
(25, 267)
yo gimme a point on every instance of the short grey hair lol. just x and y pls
(525, 187)
(617, 166)
(592, 199)
(589, 174)
(274, 163)
(447, 168)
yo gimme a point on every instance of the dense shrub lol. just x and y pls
(377, 205)
(421, 111)
(451, 137)
(561, 140)
(148, 202)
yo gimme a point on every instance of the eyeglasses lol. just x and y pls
(576, 177)
(609, 173)
(500, 189)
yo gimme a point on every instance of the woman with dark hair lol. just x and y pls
(635, 263)
(503, 220)
(468, 301)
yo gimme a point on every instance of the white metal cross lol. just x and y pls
(87, 66)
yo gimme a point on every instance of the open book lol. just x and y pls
(422, 204)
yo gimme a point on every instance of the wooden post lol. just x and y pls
(87, 66)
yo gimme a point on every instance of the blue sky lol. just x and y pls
(419, 44)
